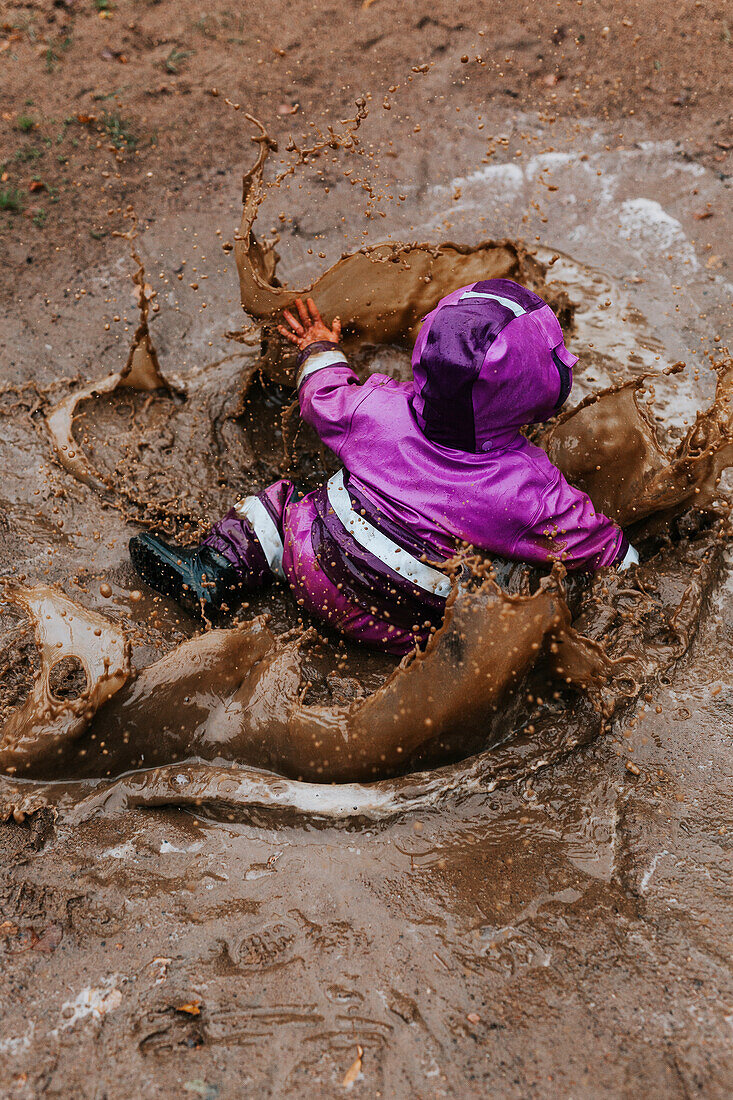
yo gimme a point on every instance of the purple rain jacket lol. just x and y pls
(443, 456)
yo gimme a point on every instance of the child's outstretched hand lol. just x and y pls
(311, 328)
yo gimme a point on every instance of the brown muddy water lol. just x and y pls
(242, 860)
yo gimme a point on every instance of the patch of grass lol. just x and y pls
(53, 56)
(11, 199)
(39, 218)
(28, 154)
(175, 59)
(24, 123)
(103, 5)
(119, 132)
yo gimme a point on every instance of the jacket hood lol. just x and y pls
(489, 359)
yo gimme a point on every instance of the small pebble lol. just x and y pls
(105, 590)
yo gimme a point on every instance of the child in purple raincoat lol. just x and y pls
(425, 465)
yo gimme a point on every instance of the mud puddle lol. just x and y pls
(520, 678)
(563, 934)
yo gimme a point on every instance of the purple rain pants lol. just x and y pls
(279, 534)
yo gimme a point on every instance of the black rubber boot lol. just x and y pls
(197, 577)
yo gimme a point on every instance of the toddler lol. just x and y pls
(425, 465)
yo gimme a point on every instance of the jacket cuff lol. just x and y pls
(319, 345)
(317, 356)
(626, 555)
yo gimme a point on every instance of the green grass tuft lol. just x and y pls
(119, 131)
(11, 199)
(28, 153)
(175, 59)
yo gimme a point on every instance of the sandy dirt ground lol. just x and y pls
(568, 934)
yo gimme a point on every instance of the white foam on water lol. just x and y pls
(658, 230)
(509, 177)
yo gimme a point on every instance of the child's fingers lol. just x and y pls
(303, 313)
(336, 327)
(314, 311)
(293, 322)
(288, 335)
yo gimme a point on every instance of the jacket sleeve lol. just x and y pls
(329, 393)
(568, 528)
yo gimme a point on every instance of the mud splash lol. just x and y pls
(212, 721)
(382, 291)
(237, 695)
(36, 731)
(609, 445)
(635, 631)
(141, 372)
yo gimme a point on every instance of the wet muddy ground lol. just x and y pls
(567, 933)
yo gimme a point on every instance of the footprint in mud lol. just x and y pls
(168, 1030)
(337, 935)
(269, 947)
(278, 943)
(248, 1025)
